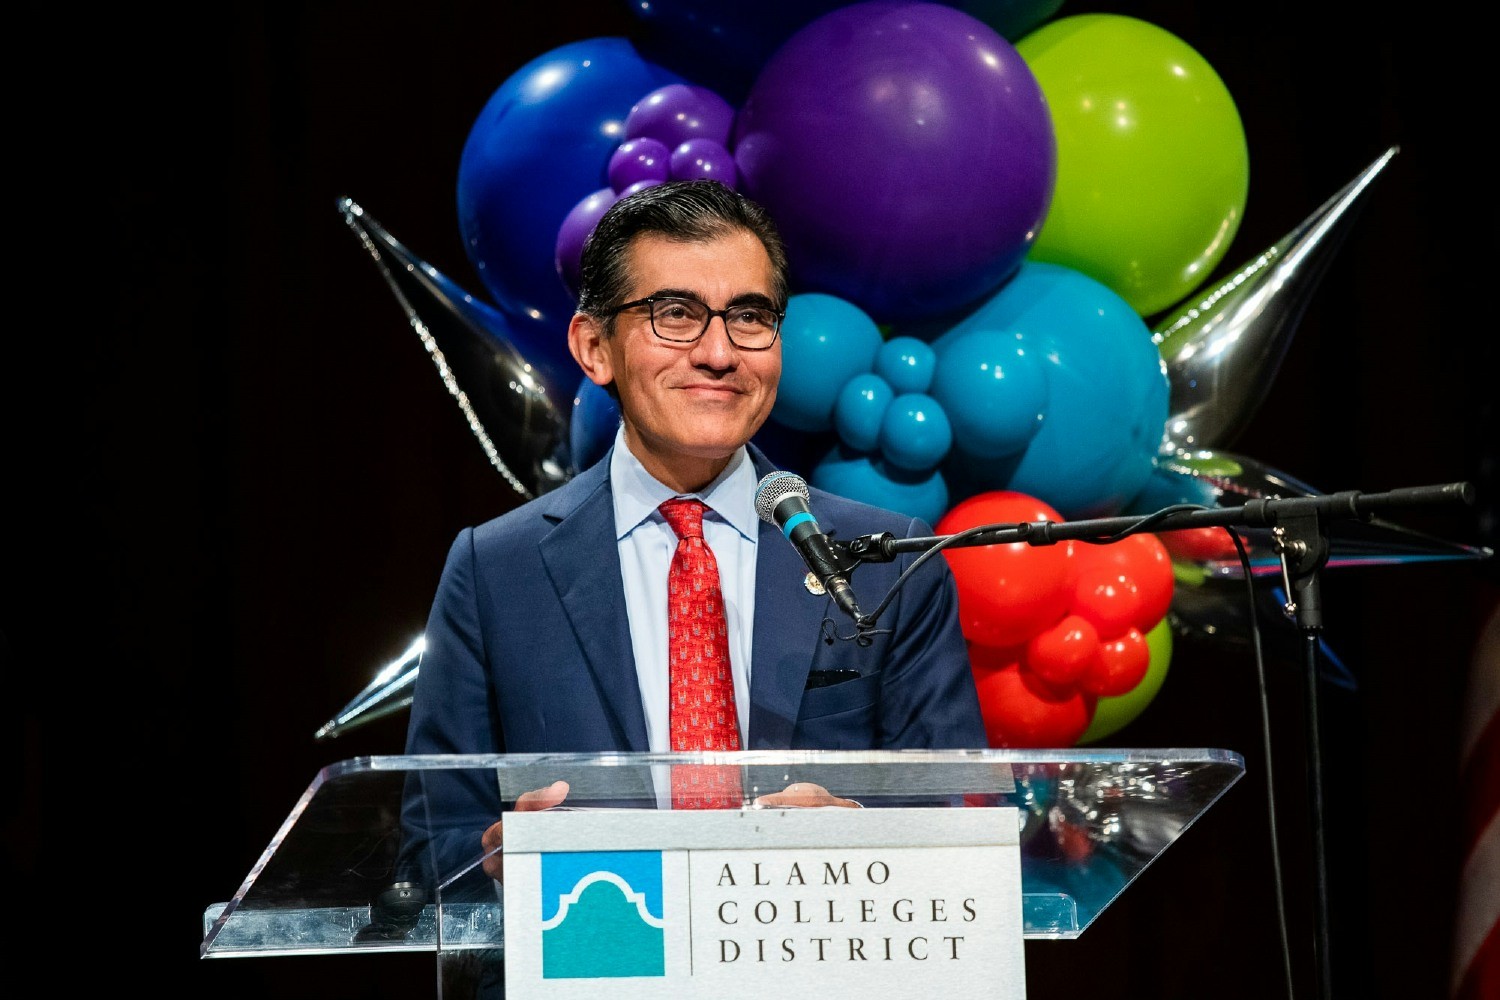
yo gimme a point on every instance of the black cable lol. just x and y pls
(1265, 728)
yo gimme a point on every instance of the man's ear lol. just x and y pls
(586, 341)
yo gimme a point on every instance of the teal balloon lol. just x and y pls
(914, 433)
(1167, 487)
(860, 477)
(906, 363)
(1107, 393)
(825, 341)
(994, 389)
(860, 409)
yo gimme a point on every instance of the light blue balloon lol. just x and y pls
(994, 389)
(906, 363)
(859, 477)
(1106, 393)
(915, 434)
(860, 409)
(825, 341)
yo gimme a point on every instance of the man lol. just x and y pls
(549, 629)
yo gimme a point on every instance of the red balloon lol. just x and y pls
(1019, 711)
(1107, 598)
(1073, 840)
(1007, 593)
(1122, 664)
(1063, 653)
(987, 658)
(1139, 565)
(1200, 544)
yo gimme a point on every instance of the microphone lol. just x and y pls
(781, 499)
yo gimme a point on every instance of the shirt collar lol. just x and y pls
(637, 493)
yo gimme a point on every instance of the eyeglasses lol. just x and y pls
(682, 321)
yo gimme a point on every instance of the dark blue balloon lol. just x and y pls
(792, 449)
(595, 418)
(540, 144)
(722, 45)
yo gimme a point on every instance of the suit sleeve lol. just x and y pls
(928, 697)
(454, 711)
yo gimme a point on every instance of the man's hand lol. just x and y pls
(804, 795)
(532, 801)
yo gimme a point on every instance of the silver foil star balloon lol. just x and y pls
(1210, 598)
(1223, 479)
(388, 692)
(1223, 349)
(520, 412)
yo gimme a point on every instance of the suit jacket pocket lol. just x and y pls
(839, 716)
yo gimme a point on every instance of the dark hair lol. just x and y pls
(685, 211)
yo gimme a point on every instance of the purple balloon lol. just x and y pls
(678, 112)
(640, 159)
(704, 159)
(907, 153)
(638, 186)
(575, 229)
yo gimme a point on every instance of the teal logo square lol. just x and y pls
(602, 915)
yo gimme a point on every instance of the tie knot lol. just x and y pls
(685, 516)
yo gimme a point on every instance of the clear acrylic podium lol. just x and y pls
(339, 875)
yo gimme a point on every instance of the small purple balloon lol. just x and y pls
(704, 159)
(678, 112)
(638, 186)
(907, 153)
(640, 159)
(575, 229)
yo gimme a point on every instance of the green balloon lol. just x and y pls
(1153, 168)
(1112, 714)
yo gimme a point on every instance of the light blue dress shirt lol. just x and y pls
(646, 543)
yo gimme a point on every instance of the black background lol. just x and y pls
(237, 474)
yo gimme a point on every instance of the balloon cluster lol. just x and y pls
(982, 205)
(935, 349)
(1052, 629)
(1052, 388)
(677, 132)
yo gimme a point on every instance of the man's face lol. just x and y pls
(686, 407)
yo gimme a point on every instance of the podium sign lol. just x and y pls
(703, 904)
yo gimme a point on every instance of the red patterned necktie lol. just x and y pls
(702, 712)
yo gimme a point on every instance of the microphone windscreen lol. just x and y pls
(775, 487)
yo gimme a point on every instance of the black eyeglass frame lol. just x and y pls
(722, 314)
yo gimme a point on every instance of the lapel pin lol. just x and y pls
(813, 585)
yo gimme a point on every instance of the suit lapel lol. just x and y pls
(583, 563)
(788, 621)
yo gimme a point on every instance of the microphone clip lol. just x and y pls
(868, 548)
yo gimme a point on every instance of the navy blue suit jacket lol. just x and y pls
(529, 650)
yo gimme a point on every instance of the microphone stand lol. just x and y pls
(1299, 535)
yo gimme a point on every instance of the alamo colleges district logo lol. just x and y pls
(602, 915)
